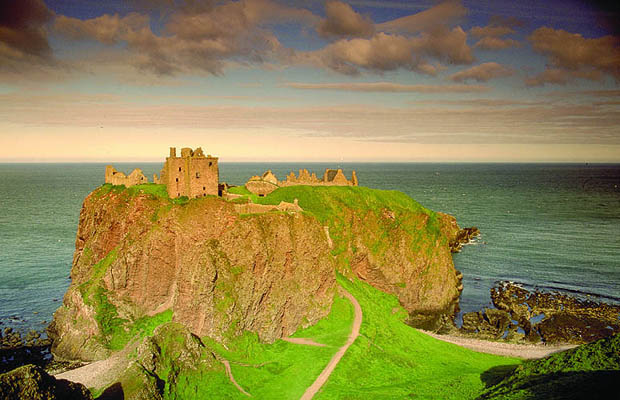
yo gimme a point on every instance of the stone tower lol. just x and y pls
(192, 175)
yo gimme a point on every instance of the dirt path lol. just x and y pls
(100, 374)
(306, 341)
(232, 378)
(527, 351)
(355, 331)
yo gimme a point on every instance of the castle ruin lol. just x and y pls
(267, 183)
(192, 175)
(195, 175)
(115, 177)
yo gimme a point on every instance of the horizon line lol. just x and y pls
(324, 162)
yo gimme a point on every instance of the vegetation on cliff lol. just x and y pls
(585, 372)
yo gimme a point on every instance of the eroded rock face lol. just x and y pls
(397, 253)
(33, 383)
(220, 273)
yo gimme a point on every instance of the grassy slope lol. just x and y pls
(284, 370)
(391, 360)
(580, 373)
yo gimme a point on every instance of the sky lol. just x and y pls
(346, 81)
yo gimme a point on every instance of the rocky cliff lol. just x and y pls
(142, 259)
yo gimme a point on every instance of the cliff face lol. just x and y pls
(388, 240)
(142, 259)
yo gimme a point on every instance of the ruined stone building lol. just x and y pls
(192, 175)
(267, 183)
(195, 175)
(118, 178)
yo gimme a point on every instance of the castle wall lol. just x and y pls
(264, 184)
(136, 177)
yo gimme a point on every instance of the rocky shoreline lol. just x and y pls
(17, 349)
(536, 316)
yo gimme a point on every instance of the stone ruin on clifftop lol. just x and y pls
(267, 183)
(195, 175)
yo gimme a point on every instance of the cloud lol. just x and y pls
(445, 45)
(108, 29)
(197, 37)
(387, 87)
(571, 55)
(23, 39)
(380, 53)
(342, 20)
(482, 73)
(495, 43)
(559, 76)
(553, 123)
(389, 52)
(442, 14)
(492, 35)
(491, 31)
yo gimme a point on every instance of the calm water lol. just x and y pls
(552, 226)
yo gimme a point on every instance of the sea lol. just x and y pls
(545, 226)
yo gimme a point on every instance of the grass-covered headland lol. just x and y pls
(389, 360)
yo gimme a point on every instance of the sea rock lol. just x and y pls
(464, 236)
(33, 383)
(555, 317)
(489, 323)
(16, 350)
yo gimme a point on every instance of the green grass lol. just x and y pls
(327, 202)
(284, 370)
(391, 360)
(578, 373)
(154, 189)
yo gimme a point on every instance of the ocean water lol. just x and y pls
(551, 226)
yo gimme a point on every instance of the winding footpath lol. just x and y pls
(232, 378)
(355, 331)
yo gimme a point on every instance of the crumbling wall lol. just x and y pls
(252, 208)
(136, 177)
(267, 183)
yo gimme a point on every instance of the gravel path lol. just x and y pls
(306, 341)
(526, 351)
(355, 331)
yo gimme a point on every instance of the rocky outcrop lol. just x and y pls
(33, 383)
(17, 350)
(391, 242)
(141, 260)
(398, 254)
(463, 237)
(551, 317)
